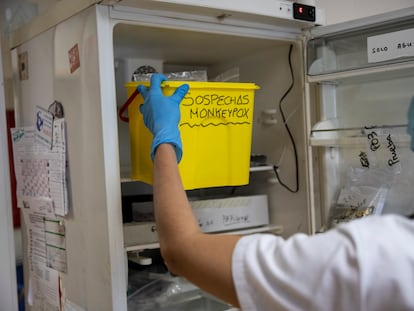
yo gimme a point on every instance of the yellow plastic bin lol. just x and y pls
(216, 131)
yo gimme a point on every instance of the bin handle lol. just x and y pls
(124, 107)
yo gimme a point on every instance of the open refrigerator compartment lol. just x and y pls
(224, 57)
(247, 59)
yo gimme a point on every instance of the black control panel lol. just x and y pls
(304, 12)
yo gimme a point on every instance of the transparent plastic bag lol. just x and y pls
(230, 75)
(366, 188)
(154, 293)
(357, 202)
(165, 292)
(196, 75)
(364, 194)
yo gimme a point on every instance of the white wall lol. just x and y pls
(337, 11)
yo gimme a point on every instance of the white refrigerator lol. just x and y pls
(329, 98)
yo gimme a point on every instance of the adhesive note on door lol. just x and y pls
(390, 46)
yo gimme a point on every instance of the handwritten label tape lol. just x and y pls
(390, 46)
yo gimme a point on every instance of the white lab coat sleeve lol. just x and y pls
(364, 265)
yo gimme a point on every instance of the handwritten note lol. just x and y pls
(231, 213)
(381, 149)
(390, 46)
(209, 108)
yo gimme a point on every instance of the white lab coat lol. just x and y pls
(366, 264)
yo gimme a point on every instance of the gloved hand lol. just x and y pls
(410, 128)
(162, 114)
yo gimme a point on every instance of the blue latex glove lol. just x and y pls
(410, 128)
(162, 114)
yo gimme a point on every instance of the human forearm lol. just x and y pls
(203, 259)
(173, 214)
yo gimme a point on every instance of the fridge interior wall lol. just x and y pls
(262, 61)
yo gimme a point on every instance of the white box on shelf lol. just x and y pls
(215, 215)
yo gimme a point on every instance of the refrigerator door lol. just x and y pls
(362, 75)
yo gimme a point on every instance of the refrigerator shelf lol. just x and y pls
(365, 75)
(356, 136)
(275, 229)
(261, 168)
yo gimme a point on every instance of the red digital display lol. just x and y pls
(304, 12)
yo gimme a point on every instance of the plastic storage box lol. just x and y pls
(216, 130)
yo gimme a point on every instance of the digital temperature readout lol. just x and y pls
(304, 12)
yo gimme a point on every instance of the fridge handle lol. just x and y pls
(126, 105)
